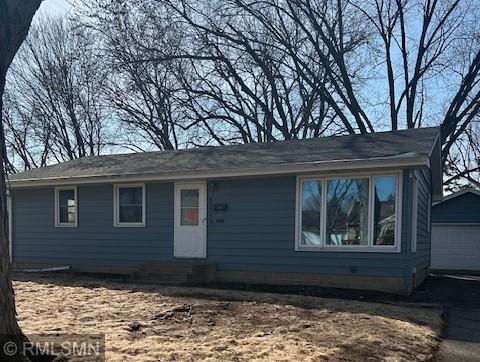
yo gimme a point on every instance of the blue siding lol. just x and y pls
(95, 241)
(421, 258)
(459, 210)
(256, 233)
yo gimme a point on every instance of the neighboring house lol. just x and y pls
(456, 232)
(348, 211)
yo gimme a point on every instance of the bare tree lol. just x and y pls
(27, 139)
(247, 89)
(291, 44)
(440, 47)
(235, 71)
(144, 96)
(56, 87)
(15, 19)
(365, 51)
(463, 164)
(203, 87)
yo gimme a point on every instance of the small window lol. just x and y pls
(347, 211)
(385, 188)
(129, 205)
(66, 207)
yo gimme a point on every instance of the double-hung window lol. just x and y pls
(129, 205)
(348, 213)
(66, 207)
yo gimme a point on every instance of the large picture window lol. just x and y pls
(66, 207)
(129, 205)
(348, 213)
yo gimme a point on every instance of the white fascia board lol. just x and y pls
(401, 161)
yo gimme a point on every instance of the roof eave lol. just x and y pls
(398, 161)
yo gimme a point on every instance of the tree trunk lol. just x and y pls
(15, 19)
(9, 328)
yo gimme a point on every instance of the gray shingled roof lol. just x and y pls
(323, 149)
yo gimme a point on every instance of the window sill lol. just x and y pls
(66, 225)
(350, 249)
(127, 225)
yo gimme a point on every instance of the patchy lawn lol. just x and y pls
(150, 323)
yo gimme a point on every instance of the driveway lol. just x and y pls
(460, 295)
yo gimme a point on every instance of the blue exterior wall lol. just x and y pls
(420, 259)
(463, 209)
(256, 233)
(95, 241)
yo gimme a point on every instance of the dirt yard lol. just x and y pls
(151, 323)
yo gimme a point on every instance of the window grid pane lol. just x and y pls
(311, 213)
(347, 211)
(66, 206)
(189, 216)
(189, 198)
(130, 195)
(385, 210)
(130, 208)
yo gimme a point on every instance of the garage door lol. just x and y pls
(456, 247)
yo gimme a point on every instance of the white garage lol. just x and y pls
(456, 232)
(455, 247)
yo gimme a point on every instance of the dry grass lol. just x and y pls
(225, 325)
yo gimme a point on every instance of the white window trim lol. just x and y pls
(116, 205)
(349, 248)
(59, 224)
(415, 189)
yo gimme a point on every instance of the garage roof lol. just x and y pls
(462, 207)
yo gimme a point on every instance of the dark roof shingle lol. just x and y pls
(323, 149)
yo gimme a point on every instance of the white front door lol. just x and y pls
(190, 220)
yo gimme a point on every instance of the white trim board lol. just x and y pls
(400, 161)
